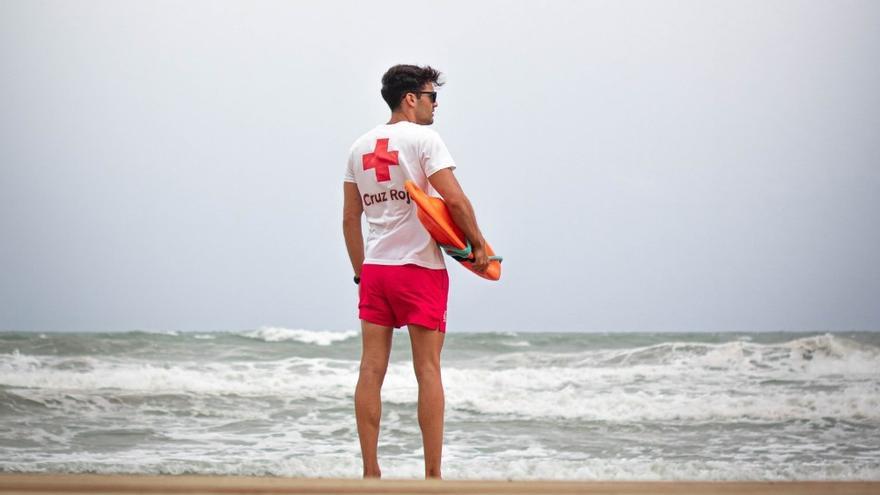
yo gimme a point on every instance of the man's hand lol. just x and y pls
(481, 259)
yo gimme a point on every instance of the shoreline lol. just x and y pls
(44, 483)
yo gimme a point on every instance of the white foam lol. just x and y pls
(816, 377)
(805, 379)
(595, 396)
(299, 377)
(169, 333)
(515, 466)
(516, 343)
(808, 357)
(316, 337)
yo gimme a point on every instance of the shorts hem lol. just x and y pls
(373, 320)
(436, 327)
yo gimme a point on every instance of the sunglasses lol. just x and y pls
(432, 94)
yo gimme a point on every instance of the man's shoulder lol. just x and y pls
(416, 132)
(406, 131)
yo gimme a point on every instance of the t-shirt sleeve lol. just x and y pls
(435, 156)
(349, 168)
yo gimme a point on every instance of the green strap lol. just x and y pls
(465, 254)
(458, 254)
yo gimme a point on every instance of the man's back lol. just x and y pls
(379, 163)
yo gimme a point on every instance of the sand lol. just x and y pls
(126, 484)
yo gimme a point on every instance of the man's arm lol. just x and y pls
(352, 210)
(462, 212)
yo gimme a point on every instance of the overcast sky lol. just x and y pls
(642, 166)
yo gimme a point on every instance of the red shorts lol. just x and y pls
(398, 295)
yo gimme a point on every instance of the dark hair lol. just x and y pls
(402, 79)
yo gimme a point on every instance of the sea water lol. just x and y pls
(615, 406)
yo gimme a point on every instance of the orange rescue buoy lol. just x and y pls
(434, 215)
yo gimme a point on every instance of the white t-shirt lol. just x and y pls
(379, 162)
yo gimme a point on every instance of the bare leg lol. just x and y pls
(426, 347)
(367, 396)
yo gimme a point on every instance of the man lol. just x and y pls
(402, 274)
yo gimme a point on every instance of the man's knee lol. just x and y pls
(427, 371)
(373, 371)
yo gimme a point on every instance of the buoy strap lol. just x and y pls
(465, 254)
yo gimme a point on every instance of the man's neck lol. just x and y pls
(401, 117)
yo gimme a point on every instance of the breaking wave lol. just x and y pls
(316, 337)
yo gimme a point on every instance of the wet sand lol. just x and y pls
(126, 484)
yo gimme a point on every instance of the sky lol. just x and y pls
(641, 165)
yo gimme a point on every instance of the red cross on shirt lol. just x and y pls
(381, 159)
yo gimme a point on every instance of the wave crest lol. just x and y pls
(315, 337)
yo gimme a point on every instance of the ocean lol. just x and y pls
(588, 406)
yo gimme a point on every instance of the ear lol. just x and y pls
(410, 99)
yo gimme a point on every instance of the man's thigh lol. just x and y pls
(426, 347)
(376, 346)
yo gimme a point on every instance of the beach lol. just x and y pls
(101, 484)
